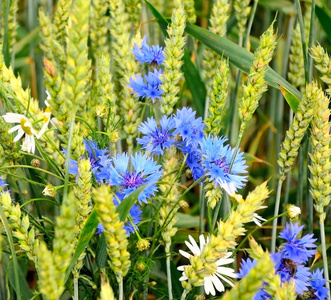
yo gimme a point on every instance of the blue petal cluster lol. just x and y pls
(144, 171)
(157, 138)
(2, 183)
(317, 284)
(297, 249)
(149, 86)
(148, 54)
(289, 265)
(216, 159)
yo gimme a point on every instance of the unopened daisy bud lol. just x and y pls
(293, 211)
(114, 137)
(290, 146)
(140, 267)
(256, 84)
(35, 163)
(173, 53)
(49, 191)
(143, 244)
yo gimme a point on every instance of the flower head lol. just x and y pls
(216, 160)
(289, 270)
(213, 280)
(293, 211)
(297, 249)
(144, 171)
(24, 127)
(149, 86)
(157, 138)
(148, 54)
(2, 183)
(317, 284)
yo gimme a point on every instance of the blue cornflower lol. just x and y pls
(193, 161)
(188, 127)
(144, 171)
(245, 267)
(216, 160)
(288, 270)
(135, 217)
(149, 86)
(297, 249)
(317, 284)
(148, 54)
(2, 183)
(157, 138)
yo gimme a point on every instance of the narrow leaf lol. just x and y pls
(290, 98)
(240, 57)
(124, 207)
(324, 18)
(101, 252)
(84, 238)
(13, 253)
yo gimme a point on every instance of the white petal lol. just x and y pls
(184, 277)
(193, 246)
(223, 261)
(208, 286)
(225, 279)
(226, 271)
(218, 283)
(185, 254)
(16, 127)
(202, 241)
(13, 117)
(19, 135)
(181, 268)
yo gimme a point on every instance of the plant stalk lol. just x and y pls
(274, 224)
(325, 258)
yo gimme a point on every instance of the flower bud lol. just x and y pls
(143, 245)
(293, 211)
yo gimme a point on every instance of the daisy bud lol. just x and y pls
(49, 191)
(140, 267)
(293, 211)
(35, 163)
(143, 245)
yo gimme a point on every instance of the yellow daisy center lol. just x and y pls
(26, 128)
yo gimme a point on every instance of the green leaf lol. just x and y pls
(16, 284)
(5, 45)
(101, 252)
(190, 71)
(84, 238)
(284, 5)
(290, 98)
(240, 57)
(25, 290)
(126, 204)
(187, 221)
(324, 18)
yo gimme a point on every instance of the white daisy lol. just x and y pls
(47, 119)
(24, 127)
(212, 281)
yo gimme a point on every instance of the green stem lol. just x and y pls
(13, 253)
(303, 39)
(66, 177)
(202, 210)
(120, 288)
(185, 292)
(311, 38)
(211, 228)
(257, 228)
(325, 258)
(274, 224)
(168, 254)
(76, 288)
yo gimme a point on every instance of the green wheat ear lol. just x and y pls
(173, 52)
